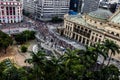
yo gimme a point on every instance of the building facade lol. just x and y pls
(76, 5)
(29, 6)
(92, 28)
(10, 11)
(89, 5)
(46, 9)
(113, 1)
(84, 6)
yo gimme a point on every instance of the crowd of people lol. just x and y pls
(50, 38)
(43, 30)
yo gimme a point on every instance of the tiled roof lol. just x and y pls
(101, 14)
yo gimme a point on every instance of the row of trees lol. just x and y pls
(56, 20)
(24, 36)
(73, 65)
(5, 41)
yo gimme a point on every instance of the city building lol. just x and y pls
(93, 27)
(89, 5)
(84, 6)
(46, 9)
(76, 5)
(118, 5)
(29, 6)
(113, 1)
(10, 11)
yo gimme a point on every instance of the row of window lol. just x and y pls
(95, 22)
(80, 39)
(68, 28)
(115, 34)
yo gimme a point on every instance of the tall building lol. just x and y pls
(75, 5)
(84, 6)
(29, 6)
(94, 27)
(46, 9)
(10, 11)
(89, 5)
(118, 5)
(113, 1)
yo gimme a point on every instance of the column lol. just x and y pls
(12, 15)
(5, 12)
(16, 15)
(81, 39)
(9, 14)
(0, 15)
(78, 38)
(75, 37)
(85, 41)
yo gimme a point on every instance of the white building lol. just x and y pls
(29, 6)
(10, 11)
(46, 9)
(113, 1)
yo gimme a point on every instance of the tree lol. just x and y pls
(5, 41)
(56, 19)
(11, 72)
(112, 48)
(25, 36)
(23, 49)
(38, 61)
(73, 65)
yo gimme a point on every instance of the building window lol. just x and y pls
(117, 35)
(112, 33)
(87, 42)
(89, 31)
(13, 10)
(81, 28)
(80, 39)
(100, 23)
(92, 37)
(83, 41)
(2, 12)
(96, 39)
(99, 40)
(96, 34)
(86, 30)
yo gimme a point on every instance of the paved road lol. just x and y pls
(73, 43)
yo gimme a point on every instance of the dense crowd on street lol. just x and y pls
(50, 37)
(42, 28)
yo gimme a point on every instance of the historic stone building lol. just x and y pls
(10, 11)
(93, 27)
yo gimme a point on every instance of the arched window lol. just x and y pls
(86, 30)
(81, 28)
(117, 35)
(112, 33)
(100, 23)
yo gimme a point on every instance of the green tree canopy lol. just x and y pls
(25, 36)
(5, 41)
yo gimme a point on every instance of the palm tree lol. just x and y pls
(71, 64)
(38, 60)
(111, 47)
(100, 50)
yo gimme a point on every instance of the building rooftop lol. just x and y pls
(116, 18)
(76, 19)
(101, 14)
